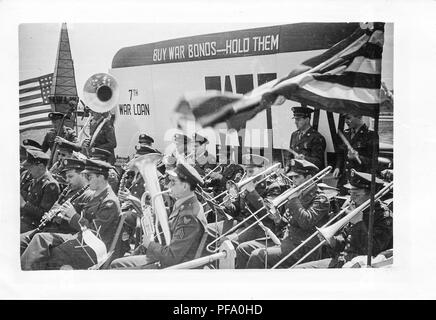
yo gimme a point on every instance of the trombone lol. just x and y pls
(271, 206)
(328, 230)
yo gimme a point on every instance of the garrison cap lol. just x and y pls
(254, 160)
(96, 166)
(301, 112)
(143, 138)
(99, 154)
(31, 143)
(73, 164)
(200, 139)
(187, 173)
(35, 156)
(68, 146)
(142, 149)
(55, 116)
(302, 167)
(361, 180)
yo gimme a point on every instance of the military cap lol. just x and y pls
(142, 149)
(96, 166)
(143, 138)
(187, 173)
(302, 167)
(200, 139)
(361, 180)
(35, 156)
(99, 154)
(73, 164)
(301, 112)
(31, 143)
(55, 115)
(68, 146)
(254, 160)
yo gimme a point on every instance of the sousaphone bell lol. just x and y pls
(101, 92)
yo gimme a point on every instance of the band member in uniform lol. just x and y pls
(42, 191)
(65, 150)
(241, 205)
(72, 169)
(187, 224)
(104, 155)
(362, 140)
(97, 209)
(305, 211)
(102, 134)
(66, 133)
(146, 140)
(352, 241)
(25, 176)
(308, 143)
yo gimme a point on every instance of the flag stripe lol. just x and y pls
(25, 90)
(352, 79)
(336, 104)
(332, 90)
(25, 103)
(30, 97)
(32, 105)
(29, 85)
(44, 111)
(27, 81)
(28, 94)
(364, 65)
(33, 119)
(42, 125)
(33, 109)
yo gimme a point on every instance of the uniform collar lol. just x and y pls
(305, 131)
(181, 201)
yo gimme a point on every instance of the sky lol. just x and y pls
(93, 45)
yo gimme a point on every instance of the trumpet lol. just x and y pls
(328, 230)
(272, 205)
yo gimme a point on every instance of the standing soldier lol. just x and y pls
(307, 143)
(362, 141)
(42, 192)
(65, 133)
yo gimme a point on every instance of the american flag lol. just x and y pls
(34, 103)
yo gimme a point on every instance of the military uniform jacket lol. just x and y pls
(203, 162)
(311, 145)
(353, 241)
(105, 138)
(363, 142)
(306, 212)
(186, 232)
(67, 133)
(25, 181)
(99, 213)
(42, 194)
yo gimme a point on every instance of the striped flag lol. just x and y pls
(34, 103)
(345, 79)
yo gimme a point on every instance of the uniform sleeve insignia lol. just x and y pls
(180, 234)
(186, 220)
(52, 186)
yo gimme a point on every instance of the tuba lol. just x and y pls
(155, 213)
(100, 92)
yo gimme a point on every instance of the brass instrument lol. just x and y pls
(328, 230)
(146, 165)
(100, 92)
(271, 206)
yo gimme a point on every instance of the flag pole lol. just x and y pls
(374, 165)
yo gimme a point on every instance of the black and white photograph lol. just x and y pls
(245, 147)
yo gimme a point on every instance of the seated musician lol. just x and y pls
(66, 133)
(243, 204)
(64, 149)
(204, 162)
(25, 176)
(186, 223)
(76, 181)
(353, 240)
(105, 155)
(306, 210)
(42, 192)
(97, 210)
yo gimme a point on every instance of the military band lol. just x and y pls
(85, 213)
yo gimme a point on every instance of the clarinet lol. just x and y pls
(54, 212)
